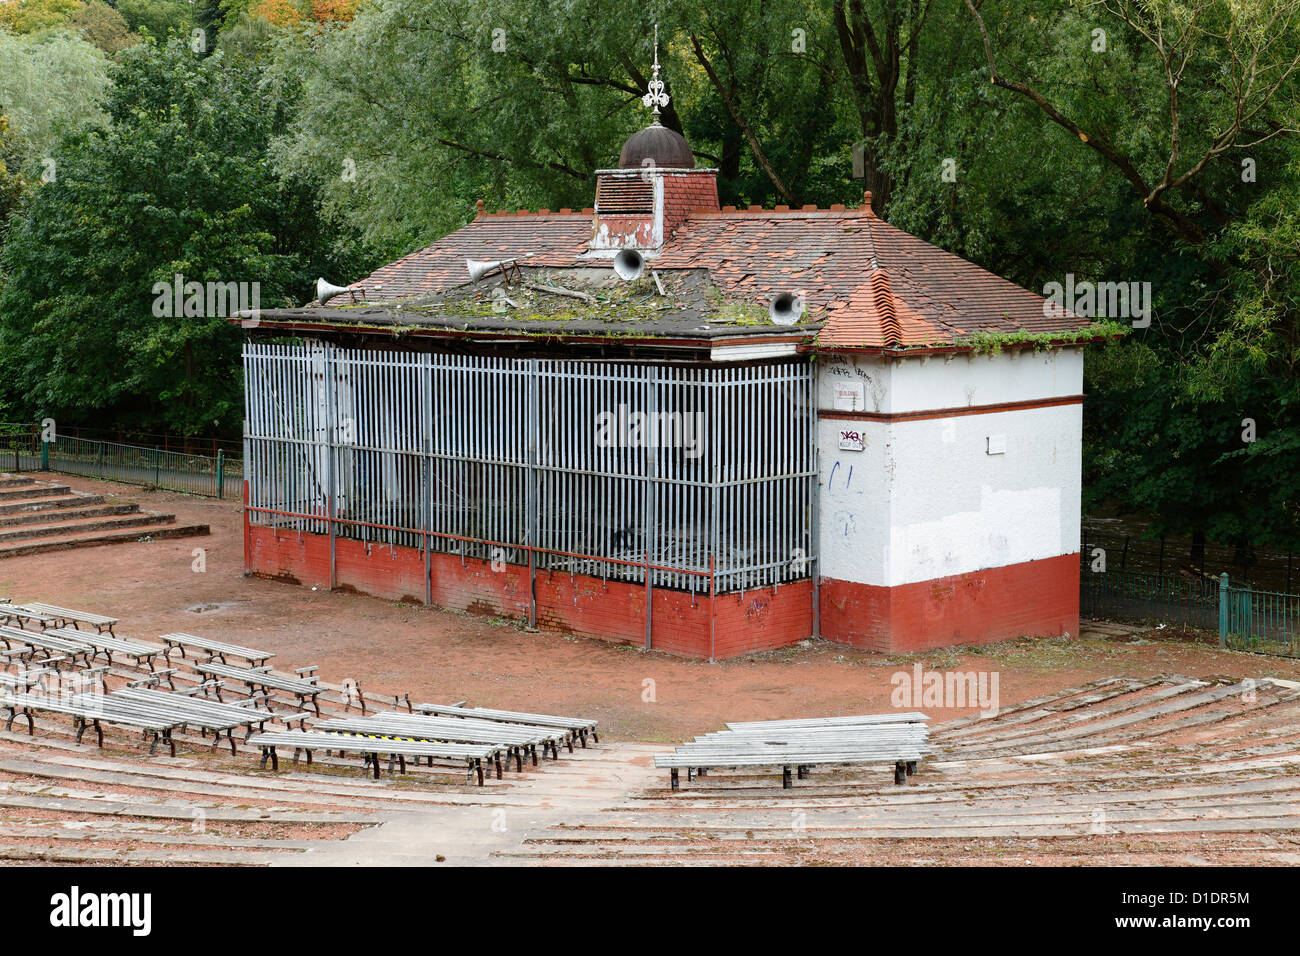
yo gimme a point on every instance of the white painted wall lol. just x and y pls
(952, 381)
(925, 499)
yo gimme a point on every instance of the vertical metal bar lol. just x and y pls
(812, 453)
(649, 387)
(1223, 610)
(331, 423)
(531, 495)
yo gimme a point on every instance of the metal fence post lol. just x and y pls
(157, 464)
(221, 473)
(1223, 610)
(45, 455)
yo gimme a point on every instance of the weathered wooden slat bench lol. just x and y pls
(108, 645)
(69, 648)
(372, 747)
(578, 727)
(517, 743)
(900, 739)
(306, 691)
(90, 711)
(216, 650)
(66, 617)
(209, 716)
(18, 614)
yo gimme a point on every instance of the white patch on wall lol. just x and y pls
(1009, 527)
(849, 397)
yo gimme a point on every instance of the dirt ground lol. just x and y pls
(444, 656)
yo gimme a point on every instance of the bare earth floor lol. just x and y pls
(1140, 748)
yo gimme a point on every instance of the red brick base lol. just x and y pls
(730, 625)
(1033, 599)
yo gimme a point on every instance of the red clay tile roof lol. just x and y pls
(874, 285)
(877, 317)
(554, 239)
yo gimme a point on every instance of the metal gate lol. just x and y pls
(1267, 622)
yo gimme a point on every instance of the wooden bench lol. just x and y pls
(306, 691)
(518, 743)
(371, 748)
(63, 617)
(11, 614)
(108, 645)
(579, 727)
(207, 715)
(900, 739)
(69, 648)
(217, 650)
(90, 711)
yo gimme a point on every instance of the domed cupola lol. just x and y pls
(658, 146)
(655, 187)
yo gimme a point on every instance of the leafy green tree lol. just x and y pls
(50, 86)
(176, 182)
(103, 26)
(30, 16)
(159, 18)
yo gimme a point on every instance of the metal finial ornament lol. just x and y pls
(655, 97)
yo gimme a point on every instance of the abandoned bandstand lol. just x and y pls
(709, 431)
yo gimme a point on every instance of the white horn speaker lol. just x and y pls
(478, 268)
(629, 264)
(785, 308)
(325, 291)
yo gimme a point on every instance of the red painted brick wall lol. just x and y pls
(579, 604)
(684, 193)
(1033, 599)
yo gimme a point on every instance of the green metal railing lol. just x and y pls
(216, 476)
(1267, 622)
(1187, 599)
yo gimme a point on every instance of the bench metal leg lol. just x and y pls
(911, 767)
(519, 760)
(673, 779)
(478, 765)
(296, 752)
(803, 772)
(786, 782)
(374, 758)
(900, 773)
(497, 759)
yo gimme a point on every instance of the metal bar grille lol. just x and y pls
(610, 469)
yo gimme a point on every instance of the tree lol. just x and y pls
(50, 85)
(103, 26)
(1196, 80)
(176, 182)
(31, 16)
(159, 18)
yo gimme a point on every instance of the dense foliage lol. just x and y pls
(1148, 141)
